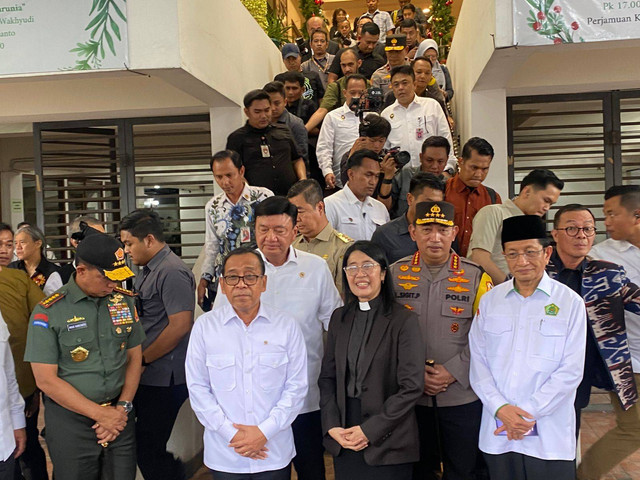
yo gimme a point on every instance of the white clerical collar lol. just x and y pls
(364, 306)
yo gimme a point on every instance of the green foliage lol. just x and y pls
(442, 22)
(104, 29)
(276, 29)
(258, 10)
(309, 8)
(548, 21)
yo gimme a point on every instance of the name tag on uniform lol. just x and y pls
(265, 151)
(120, 314)
(76, 326)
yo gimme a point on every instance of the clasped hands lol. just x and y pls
(249, 441)
(514, 422)
(110, 423)
(437, 379)
(352, 438)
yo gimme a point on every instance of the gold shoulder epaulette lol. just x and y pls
(47, 302)
(343, 237)
(124, 291)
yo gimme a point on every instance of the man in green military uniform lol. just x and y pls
(84, 347)
(444, 290)
(317, 236)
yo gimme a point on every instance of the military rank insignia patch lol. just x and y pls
(551, 309)
(56, 297)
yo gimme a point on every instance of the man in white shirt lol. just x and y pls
(301, 284)
(13, 437)
(380, 18)
(622, 220)
(527, 358)
(339, 131)
(228, 215)
(352, 210)
(247, 376)
(414, 119)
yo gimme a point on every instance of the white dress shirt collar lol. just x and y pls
(415, 100)
(229, 313)
(352, 199)
(292, 257)
(544, 286)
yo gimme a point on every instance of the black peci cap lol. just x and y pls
(523, 227)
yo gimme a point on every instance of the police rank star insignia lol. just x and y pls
(551, 309)
(79, 354)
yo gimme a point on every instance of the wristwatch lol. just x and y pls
(128, 406)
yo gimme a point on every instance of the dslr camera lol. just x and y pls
(401, 157)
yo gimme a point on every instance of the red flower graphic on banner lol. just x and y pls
(548, 21)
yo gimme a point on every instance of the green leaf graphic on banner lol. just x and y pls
(103, 27)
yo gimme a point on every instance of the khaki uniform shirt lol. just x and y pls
(87, 337)
(445, 306)
(487, 230)
(18, 297)
(330, 245)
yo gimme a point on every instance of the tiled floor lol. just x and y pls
(595, 424)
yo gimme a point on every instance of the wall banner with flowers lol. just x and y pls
(542, 22)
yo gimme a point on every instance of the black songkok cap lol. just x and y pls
(106, 254)
(523, 227)
(435, 212)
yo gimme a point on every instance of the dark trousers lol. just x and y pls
(516, 466)
(6, 468)
(32, 464)
(156, 412)
(75, 452)
(307, 437)
(282, 474)
(351, 465)
(459, 435)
